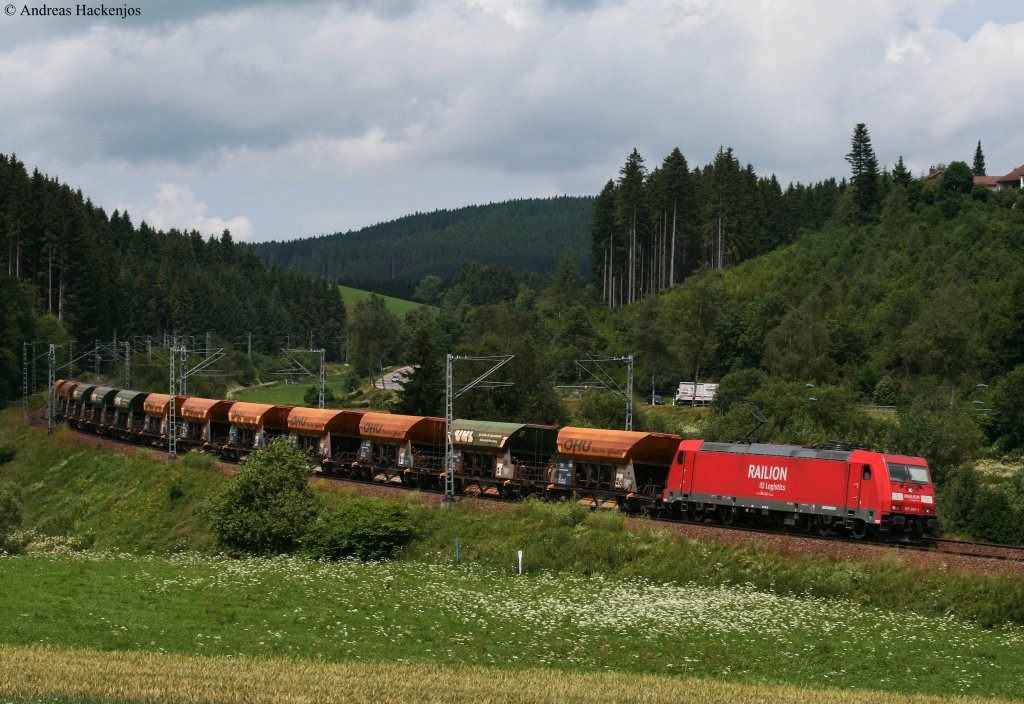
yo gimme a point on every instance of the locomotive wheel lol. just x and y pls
(824, 528)
(727, 515)
(859, 530)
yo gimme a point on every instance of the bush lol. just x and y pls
(10, 514)
(364, 528)
(994, 517)
(312, 396)
(1006, 426)
(956, 500)
(886, 392)
(7, 453)
(268, 506)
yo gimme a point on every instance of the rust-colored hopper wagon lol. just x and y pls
(156, 409)
(203, 423)
(397, 448)
(253, 425)
(56, 399)
(331, 436)
(62, 392)
(613, 468)
(502, 459)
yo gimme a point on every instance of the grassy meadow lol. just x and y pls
(398, 306)
(349, 390)
(628, 612)
(451, 615)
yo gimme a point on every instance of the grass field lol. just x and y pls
(339, 379)
(398, 306)
(450, 616)
(287, 394)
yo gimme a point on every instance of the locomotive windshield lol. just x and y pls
(908, 473)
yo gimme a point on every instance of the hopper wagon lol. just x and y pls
(401, 449)
(502, 459)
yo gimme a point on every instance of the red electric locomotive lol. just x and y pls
(830, 491)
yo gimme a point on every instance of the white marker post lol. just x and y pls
(520, 562)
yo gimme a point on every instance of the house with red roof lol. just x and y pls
(1014, 179)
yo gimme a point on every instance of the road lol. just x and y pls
(388, 384)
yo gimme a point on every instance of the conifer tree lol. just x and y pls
(603, 242)
(675, 203)
(423, 391)
(979, 161)
(900, 173)
(864, 173)
(632, 217)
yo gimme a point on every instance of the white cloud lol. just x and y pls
(176, 207)
(299, 113)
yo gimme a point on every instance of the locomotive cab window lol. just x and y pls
(867, 472)
(909, 473)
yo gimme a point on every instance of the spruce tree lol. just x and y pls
(979, 161)
(633, 219)
(603, 241)
(864, 173)
(900, 173)
(423, 391)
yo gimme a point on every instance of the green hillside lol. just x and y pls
(525, 235)
(398, 306)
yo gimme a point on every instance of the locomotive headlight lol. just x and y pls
(897, 496)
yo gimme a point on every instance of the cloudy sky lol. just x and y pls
(290, 119)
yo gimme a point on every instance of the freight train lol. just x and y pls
(853, 493)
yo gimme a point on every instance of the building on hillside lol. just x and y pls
(1014, 179)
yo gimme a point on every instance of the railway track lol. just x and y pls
(991, 551)
(947, 554)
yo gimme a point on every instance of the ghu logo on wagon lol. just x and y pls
(577, 445)
(773, 477)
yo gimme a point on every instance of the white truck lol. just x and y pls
(700, 394)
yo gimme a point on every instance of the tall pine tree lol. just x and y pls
(979, 161)
(632, 215)
(864, 174)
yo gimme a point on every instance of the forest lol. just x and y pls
(72, 273)
(391, 257)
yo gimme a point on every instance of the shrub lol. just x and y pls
(368, 529)
(1006, 426)
(956, 500)
(312, 396)
(994, 517)
(7, 453)
(268, 506)
(886, 392)
(10, 514)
